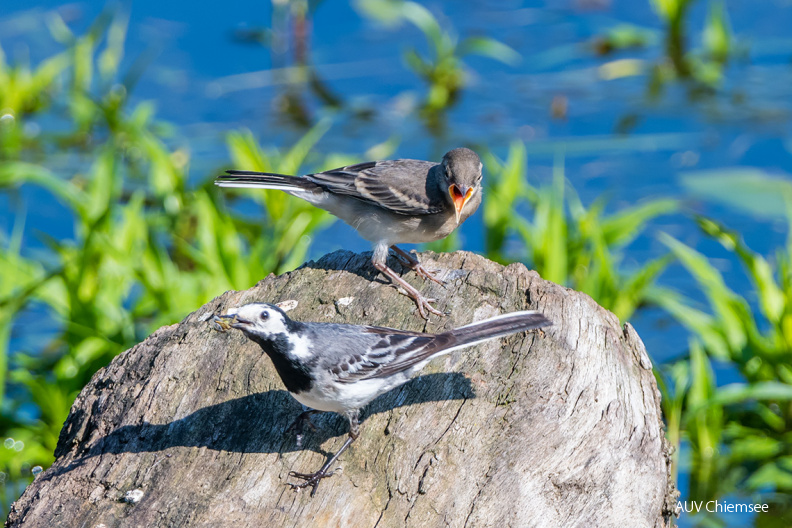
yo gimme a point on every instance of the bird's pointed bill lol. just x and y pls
(460, 197)
(230, 320)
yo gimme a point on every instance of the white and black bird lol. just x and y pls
(401, 201)
(341, 368)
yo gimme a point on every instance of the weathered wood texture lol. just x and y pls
(555, 429)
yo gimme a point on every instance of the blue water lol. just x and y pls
(207, 82)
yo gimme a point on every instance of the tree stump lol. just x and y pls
(554, 428)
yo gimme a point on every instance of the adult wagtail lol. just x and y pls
(341, 368)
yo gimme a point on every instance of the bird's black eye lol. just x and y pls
(264, 315)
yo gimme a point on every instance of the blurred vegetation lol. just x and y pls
(706, 64)
(147, 244)
(566, 242)
(443, 67)
(547, 228)
(304, 92)
(740, 434)
(702, 67)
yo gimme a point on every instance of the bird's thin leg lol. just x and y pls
(420, 301)
(298, 426)
(313, 479)
(416, 266)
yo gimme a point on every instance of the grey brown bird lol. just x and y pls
(401, 201)
(341, 368)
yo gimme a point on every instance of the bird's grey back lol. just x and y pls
(403, 185)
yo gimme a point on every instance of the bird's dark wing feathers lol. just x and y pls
(396, 351)
(390, 353)
(396, 185)
(360, 167)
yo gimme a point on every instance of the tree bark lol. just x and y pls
(554, 428)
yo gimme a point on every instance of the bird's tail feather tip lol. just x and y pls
(238, 172)
(531, 316)
(262, 180)
(247, 185)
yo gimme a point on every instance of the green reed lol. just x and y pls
(740, 434)
(548, 228)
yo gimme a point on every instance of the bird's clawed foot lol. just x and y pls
(414, 264)
(312, 480)
(423, 304)
(426, 274)
(298, 426)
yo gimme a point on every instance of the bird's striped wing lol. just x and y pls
(387, 347)
(396, 351)
(396, 185)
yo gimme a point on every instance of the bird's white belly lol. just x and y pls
(343, 397)
(313, 400)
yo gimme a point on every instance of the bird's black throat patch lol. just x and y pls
(296, 376)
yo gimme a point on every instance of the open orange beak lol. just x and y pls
(460, 197)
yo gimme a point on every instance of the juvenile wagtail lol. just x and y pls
(388, 203)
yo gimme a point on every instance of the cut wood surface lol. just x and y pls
(556, 428)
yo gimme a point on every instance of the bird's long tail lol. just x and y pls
(466, 336)
(499, 326)
(265, 180)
